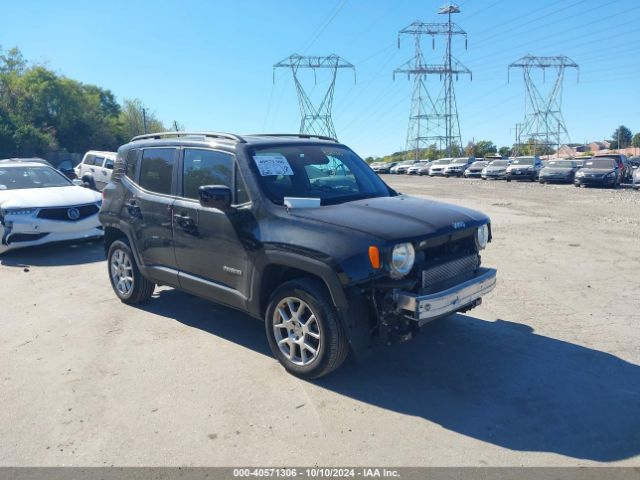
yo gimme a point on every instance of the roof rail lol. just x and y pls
(159, 135)
(298, 135)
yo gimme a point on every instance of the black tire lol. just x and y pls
(541, 182)
(142, 288)
(508, 179)
(332, 347)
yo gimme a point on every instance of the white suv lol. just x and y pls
(95, 169)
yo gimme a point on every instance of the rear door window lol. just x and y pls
(89, 160)
(99, 161)
(156, 169)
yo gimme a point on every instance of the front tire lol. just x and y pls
(303, 329)
(129, 285)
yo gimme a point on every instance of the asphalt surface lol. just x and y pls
(545, 372)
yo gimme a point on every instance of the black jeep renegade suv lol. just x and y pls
(293, 229)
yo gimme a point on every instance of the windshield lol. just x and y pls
(332, 174)
(499, 163)
(480, 164)
(606, 164)
(444, 161)
(561, 164)
(18, 178)
(460, 161)
(523, 161)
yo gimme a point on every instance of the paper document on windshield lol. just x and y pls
(272, 164)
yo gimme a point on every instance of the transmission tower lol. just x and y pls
(433, 122)
(315, 120)
(543, 121)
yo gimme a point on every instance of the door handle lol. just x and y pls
(133, 208)
(186, 223)
(183, 220)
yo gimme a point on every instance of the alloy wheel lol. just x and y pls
(121, 268)
(297, 331)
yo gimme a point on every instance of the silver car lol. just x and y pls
(496, 170)
(636, 178)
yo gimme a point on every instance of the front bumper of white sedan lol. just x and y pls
(18, 231)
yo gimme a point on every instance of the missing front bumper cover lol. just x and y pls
(428, 307)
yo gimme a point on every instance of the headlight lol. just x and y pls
(18, 211)
(580, 173)
(402, 258)
(482, 236)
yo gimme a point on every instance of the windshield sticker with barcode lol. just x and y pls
(272, 164)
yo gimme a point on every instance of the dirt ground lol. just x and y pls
(545, 372)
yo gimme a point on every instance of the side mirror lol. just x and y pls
(215, 196)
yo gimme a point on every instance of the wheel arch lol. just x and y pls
(282, 268)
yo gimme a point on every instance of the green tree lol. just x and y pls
(635, 141)
(483, 148)
(504, 151)
(621, 138)
(534, 147)
(12, 61)
(42, 111)
(132, 120)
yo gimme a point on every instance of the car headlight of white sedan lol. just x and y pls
(17, 211)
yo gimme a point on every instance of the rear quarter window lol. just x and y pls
(131, 166)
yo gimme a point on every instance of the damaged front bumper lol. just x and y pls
(30, 231)
(466, 295)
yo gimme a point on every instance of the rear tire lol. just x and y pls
(303, 329)
(129, 285)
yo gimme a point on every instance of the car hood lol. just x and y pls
(495, 169)
(396, 218)
(48, 197)
(556, 170)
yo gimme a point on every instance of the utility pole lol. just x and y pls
(315, 120)
(144, 120)
(433, 122)
(543, 113)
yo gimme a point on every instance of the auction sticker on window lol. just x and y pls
(272, 164)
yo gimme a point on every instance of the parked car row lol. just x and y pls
(609, 170)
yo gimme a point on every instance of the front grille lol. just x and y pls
(64, 214)
(449, 270)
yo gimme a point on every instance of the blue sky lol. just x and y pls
(208, 64)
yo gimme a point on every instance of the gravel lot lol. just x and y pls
(545, 372)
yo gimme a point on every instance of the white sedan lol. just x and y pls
(40, 205)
